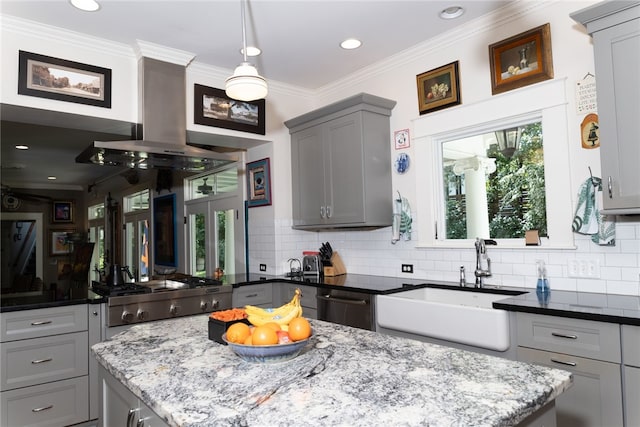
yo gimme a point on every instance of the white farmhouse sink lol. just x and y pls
(457, 315)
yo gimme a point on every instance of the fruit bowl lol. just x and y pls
(267, 353)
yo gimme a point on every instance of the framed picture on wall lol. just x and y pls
(259, 183)
(62, 212)
(212, 107)
(62, 80)
(59, 243)
(521, 60)
(438, 88)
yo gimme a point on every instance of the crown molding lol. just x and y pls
(50, 33)
(498, 18)
(163, 53)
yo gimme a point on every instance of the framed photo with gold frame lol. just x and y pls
(521, 60)
(438, 88)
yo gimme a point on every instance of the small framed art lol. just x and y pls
(259, 183)
(438, 88)
(62, 212)
(60, 243)
(521, 60)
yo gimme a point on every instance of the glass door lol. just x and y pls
(215, 230)
(136, 247)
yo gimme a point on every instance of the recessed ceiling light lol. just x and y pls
(451, 12)
(22, 147)
(51, 178)
(86, 5)
(251, 51)
(351, 44)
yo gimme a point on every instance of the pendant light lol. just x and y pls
(245, 84)
(509, 141)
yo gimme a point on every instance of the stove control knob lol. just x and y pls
(173, 309)
(127, 316)
(204, 305)
(215, 304)
(141, 314)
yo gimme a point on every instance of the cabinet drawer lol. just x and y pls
(631, 345)
(308, 299)
(20, 325)
(39, 360)
(55, 404)
(632, 395)
(594, 399)
(595, 340)
(253, 295)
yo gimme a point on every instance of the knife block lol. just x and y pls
(337, 266)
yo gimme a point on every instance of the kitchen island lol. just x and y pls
(344, 376)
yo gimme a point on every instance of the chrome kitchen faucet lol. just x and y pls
(481, 252)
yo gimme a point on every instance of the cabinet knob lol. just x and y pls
(95, 313)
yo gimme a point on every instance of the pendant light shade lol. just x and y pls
(509, 141)
(245, 84)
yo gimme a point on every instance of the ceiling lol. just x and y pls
(299, 42)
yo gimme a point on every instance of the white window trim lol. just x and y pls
(546, 101)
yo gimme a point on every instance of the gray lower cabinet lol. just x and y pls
(44, 379)
(591, 351)
(631, 374)
(260, 295)
(120, 407)
(615, 28)
(341, 168)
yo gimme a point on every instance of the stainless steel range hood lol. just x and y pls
(162, 111)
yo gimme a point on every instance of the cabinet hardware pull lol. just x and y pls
(321, 211)
(343, 300)
(251, 295)
(559, 335)
(130, 416)
(610, 187)
(36, 362)
(328, 211)
(43, 408)
(40, 323)
(562, 362)
(140, 423)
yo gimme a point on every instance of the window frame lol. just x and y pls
(545, 102)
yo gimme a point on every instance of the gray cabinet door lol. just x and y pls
(594, 400)
(308, 176)
(617, 64)
(632, 396)
(344, 172)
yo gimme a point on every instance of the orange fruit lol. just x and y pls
(264, 335)
(299, 329)
(248, 341)
(273, 325)
(238, 333)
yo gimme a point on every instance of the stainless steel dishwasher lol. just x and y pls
(348, 308)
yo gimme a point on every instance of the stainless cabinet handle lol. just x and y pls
(343, 300)
(321, 211)
(43, 408)
(40, 323)
(36, 362)
(140, 423)
(559, 335)
(610, 187)
(130, 416)
(562, 362)
(251, 295)
(328, 211)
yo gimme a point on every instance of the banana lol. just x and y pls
(282, 315)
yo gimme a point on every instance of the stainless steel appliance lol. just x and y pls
(311, 265)
(132, 303)
(356, 309)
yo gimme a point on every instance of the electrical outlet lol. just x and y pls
(584, 268)
(407, 268)
(263, 267)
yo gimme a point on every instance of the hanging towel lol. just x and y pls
(401, 225)
(588, 220)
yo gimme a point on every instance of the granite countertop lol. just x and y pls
(344, 376)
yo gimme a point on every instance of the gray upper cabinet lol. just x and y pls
(341, 165)
(615, 28)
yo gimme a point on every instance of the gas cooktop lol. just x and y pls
(160, 285)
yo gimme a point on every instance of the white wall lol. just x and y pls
(371, 252)
(272, 241)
